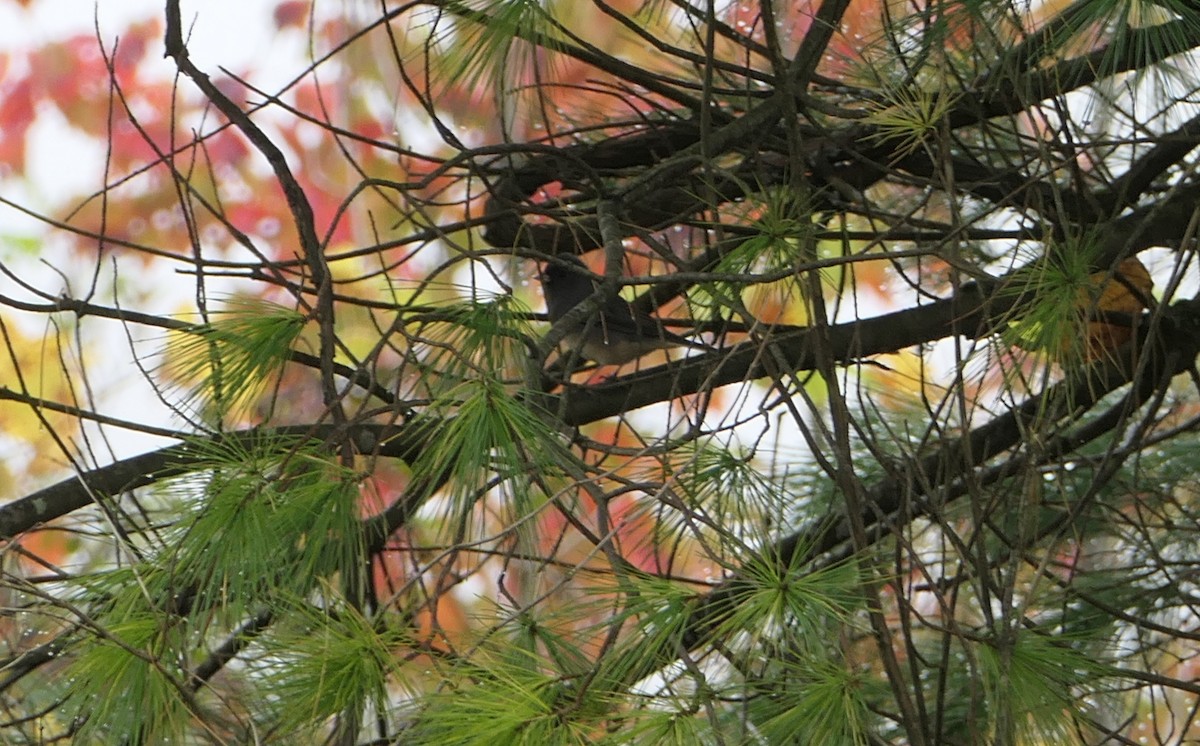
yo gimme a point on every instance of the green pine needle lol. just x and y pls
(472, 340)
(908, 117)
(781, 606)
(225, 365)
(1035, 684)
(269, 520)
(505, 698)
(128, 682)
(322, 662)
(821, 703)
(488, 33)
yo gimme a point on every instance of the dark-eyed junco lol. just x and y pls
(613, 336)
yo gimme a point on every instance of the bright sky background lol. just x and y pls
(233, 31)
(236, 34)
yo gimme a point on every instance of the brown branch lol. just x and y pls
(297, 200)
(150, 468)
(906, 495)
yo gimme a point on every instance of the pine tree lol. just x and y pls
(923, 476)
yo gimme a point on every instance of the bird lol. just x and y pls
(616, 334)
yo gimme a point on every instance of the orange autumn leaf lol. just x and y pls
(46, 548)
(779, 302)
(1127, 291)
(443, 623)
(1087, 322)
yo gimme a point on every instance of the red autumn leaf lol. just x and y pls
(290, 14)
(16, 115)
